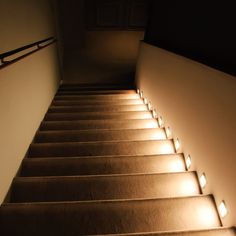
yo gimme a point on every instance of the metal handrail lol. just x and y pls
(39, 44)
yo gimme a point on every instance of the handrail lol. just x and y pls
(38, 44)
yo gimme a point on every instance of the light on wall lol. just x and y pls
(177, 145)
(188, 162)
(222, 209)
(168, 132)
(138, 91)
(203, 180)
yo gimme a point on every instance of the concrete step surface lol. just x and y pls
(108, 217)
(69, 91)
(84, 188)
(73, 149)
(99, 124)
(98, 115)
(113, 108)
(98, 97)
(99, 135)
(96, 102)
(102, 165)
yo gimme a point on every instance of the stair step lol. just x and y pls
(99, 135)
(99, 124)
(73, 149)
(219, 231)
(58, 166)
(95, 102)
(61, 92)
(104, 187)
(117, 108)
(98, 115)
(96, 87)
(108, 217)
(98, 97)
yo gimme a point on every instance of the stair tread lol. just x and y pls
(97, 97)
(95, 115)
(110, 216)
(150, 147)
(97, 102)
(73, 188)
(81, 108)
(218, 231)
(116, 91)
(102, 165)
(98, 124)
(99, 135)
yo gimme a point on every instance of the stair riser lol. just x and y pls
(61, 92)
(95, 103)
(102, 165)
(101, 149)
(109, 217)
(98, 116)
(99, 124)
(113, 187)
(83, 136)
(97, 108)
(104, 97)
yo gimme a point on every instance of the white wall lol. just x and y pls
(199, 104)
(26, 87)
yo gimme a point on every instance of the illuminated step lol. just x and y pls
(108, 187)
(96, 102)
(71, 149)
(99, 135)
(97, 97)
(219, 231)
(98, 115)
(99, 124)
(65, 92)
(102, 165)
(113, 108)
(108, 217)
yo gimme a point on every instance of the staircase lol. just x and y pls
(99, 165)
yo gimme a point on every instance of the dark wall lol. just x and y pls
(201, 31)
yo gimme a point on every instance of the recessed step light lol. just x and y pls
(188, 162)
(222, 209)
(203, 180)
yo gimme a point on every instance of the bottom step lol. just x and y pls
(108, 217)
(221, 231)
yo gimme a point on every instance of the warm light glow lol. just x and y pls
(138, 91)
(145, 101)
(176, 165)
(152, 124)
(154, 114)
(160, 121)
(167, 148)
(149, 106)
(177, 145)
(203, 180)
(168, 132)
(157, 135)
(189, 187)
(188, 162)
(205, 214)
(222, 209)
